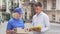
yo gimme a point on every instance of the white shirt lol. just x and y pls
(43, 20)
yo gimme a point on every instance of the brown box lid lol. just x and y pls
(21, 31)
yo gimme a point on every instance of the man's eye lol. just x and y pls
(37, 9)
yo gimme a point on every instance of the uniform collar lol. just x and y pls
(41, 13)
(16, 19)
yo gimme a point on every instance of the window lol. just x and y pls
(26, 0)
(59, 19)
(45, 4)
(3, 8)
(53, 4)
(25, 15)
(13, 5)
(4, 2)
(53, 17)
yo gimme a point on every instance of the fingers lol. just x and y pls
(30, 29)
(38, 30)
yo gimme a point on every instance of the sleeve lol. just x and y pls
(9, 26)
(23, 24)
(32, 22)
(46, 24)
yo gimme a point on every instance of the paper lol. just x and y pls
(19, 30)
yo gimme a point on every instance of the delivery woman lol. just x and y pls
(15, 22)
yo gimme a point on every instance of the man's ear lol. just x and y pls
(41, 8)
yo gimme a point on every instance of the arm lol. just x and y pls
(30, 29)
(33, 28)
(46, 24)
(9, 28)
(9, 31)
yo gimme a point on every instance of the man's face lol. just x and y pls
(38, 9)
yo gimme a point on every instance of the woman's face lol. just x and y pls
(17, 15)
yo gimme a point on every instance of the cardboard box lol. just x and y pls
(21, 31)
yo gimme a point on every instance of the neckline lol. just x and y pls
(16, 19)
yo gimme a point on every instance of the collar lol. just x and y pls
(16, 19)
(40, 13)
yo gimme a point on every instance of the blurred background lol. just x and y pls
(50, 7)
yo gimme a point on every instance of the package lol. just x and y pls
(36, 27)
(21, 31)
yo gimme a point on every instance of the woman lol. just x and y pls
(15, 22)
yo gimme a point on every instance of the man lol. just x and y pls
(40, 19)
(15, 22)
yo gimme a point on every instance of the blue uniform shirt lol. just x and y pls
(15, 23)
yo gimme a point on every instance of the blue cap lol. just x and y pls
(18, 10)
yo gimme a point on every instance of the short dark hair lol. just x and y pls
(38, 4)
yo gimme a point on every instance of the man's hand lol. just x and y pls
(35, 29)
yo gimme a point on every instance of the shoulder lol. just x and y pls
(21, 20)
(11, 20)
(34, 16)
(44, 15)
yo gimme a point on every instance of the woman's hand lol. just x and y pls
(31, 29)
(10, 31)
